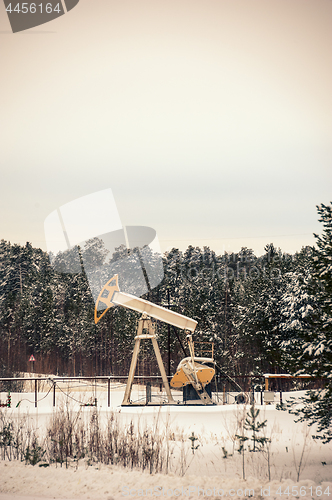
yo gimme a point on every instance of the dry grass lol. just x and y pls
(74, 437)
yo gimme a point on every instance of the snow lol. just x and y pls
(27, 482)
(205, 471)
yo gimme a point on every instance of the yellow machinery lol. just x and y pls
(192, 371)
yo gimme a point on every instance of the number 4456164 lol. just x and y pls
(302, 491)
(32, 8)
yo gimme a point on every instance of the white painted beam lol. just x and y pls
(154, 311)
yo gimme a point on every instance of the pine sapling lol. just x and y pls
(253, 425)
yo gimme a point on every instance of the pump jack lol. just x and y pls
(191, 370)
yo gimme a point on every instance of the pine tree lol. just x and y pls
(315, 340)
(255, 426)
(258, 312)
(298, 305)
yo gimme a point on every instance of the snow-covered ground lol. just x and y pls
(204, 472)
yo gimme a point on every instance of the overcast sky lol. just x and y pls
(209, 119)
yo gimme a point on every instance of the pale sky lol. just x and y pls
(210, 120)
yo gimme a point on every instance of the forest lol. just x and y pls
(264, 314)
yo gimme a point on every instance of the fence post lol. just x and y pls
(54, 384)
(36, 389)
(148, 393)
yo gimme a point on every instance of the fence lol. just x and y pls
(226, 390)
(7, 383)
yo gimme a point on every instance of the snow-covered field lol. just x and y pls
(205, 472)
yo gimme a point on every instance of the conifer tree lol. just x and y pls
(315, 340)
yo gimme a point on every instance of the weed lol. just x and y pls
(34, 453)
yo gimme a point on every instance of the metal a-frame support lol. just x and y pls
(145, 323)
